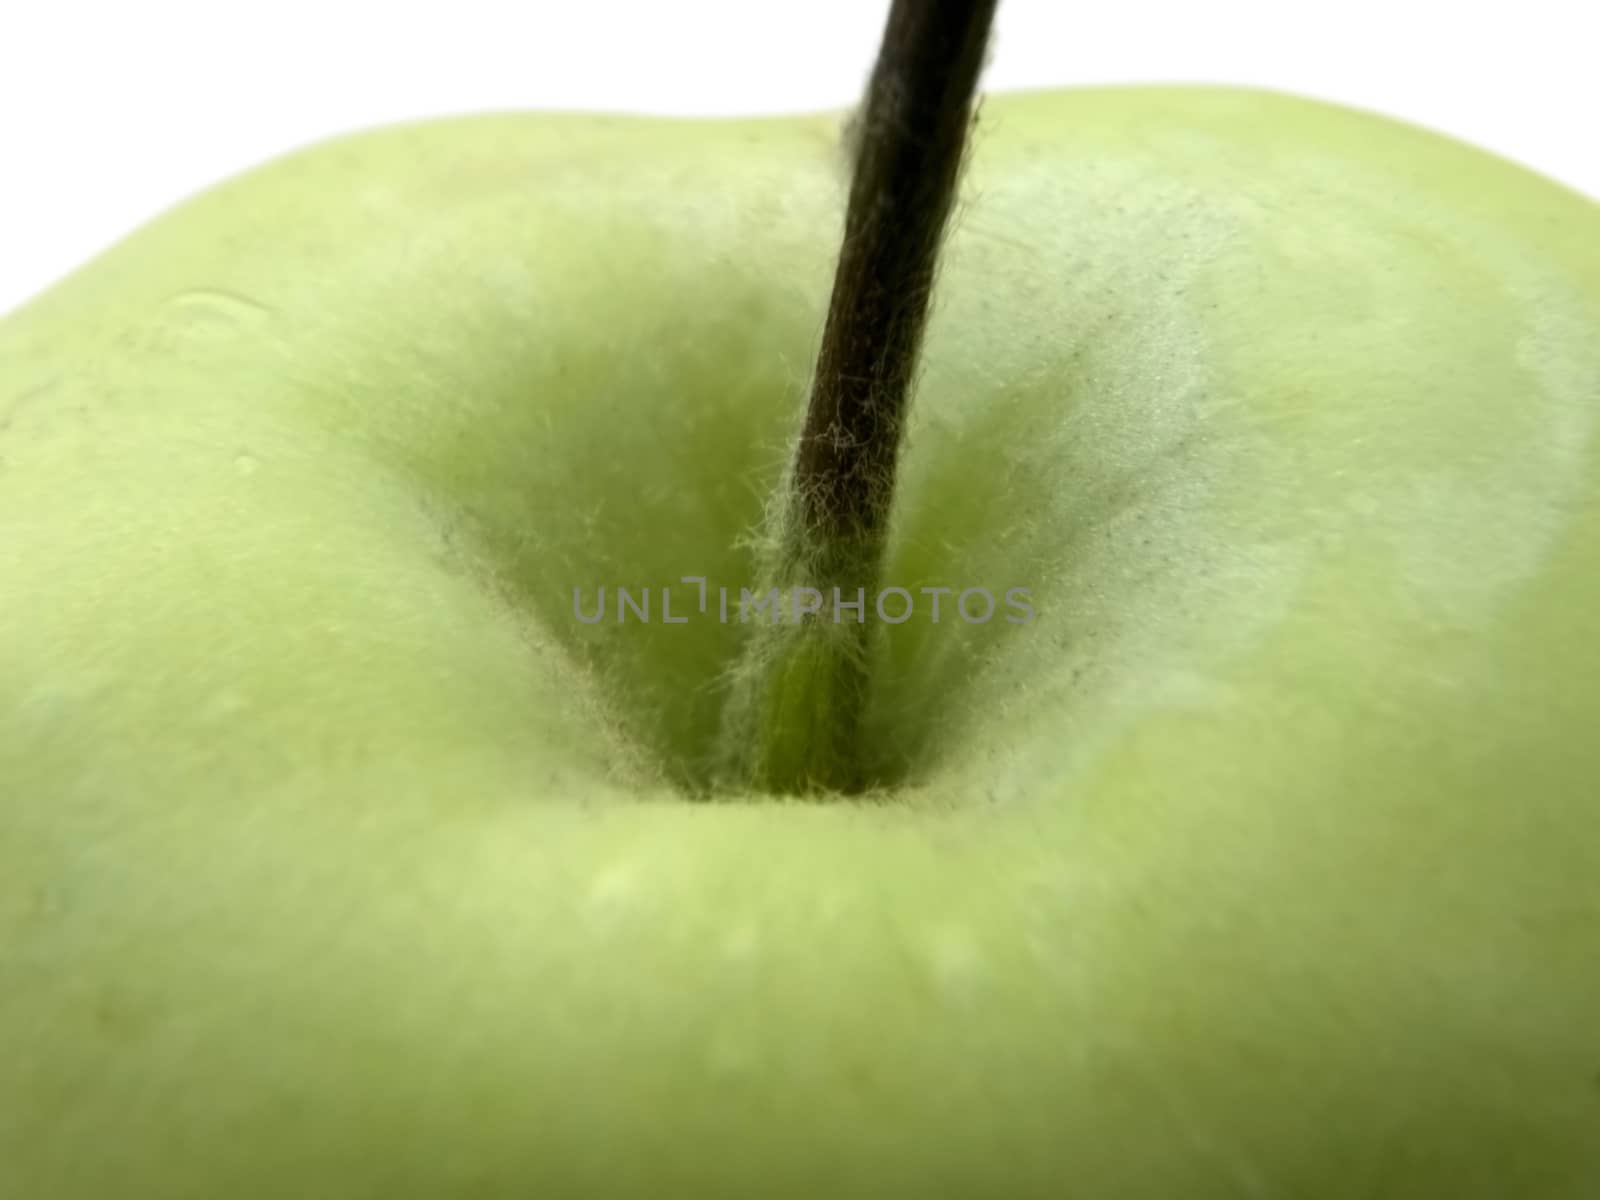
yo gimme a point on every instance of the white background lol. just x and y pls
(110, 110)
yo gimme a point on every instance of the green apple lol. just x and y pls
(338, 859)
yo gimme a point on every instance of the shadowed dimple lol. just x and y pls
(121, 1018)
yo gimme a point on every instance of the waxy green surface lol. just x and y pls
(337, 859)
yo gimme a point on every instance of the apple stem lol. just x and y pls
(800, 693)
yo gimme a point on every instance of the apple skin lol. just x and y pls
(337, 860)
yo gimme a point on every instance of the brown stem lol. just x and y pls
(910, 143)
(799, 696)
